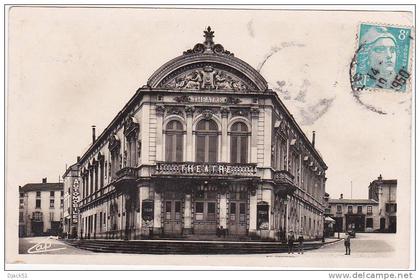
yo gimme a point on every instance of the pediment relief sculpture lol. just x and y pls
(209, 78)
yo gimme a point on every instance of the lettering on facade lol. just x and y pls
(163, 168)
(75, 200)
(208, 99)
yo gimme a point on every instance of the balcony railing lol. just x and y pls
(127, 173)
(283, 177)
(206, 169)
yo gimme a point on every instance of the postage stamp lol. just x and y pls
(382, 58)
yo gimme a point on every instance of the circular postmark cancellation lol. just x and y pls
(381, 61)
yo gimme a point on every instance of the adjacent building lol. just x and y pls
(204, 148)
(40, 208)
(71, 201)
(358, 214)
(377, 213)
(385, 192)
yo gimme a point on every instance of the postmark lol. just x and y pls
(382, 60)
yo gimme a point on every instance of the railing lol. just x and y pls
(202, 169)
(127, 173)
(283, 177)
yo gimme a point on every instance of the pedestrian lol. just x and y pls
(290, 242)
(300, 240)
(347, 243)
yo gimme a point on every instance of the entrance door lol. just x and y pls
(382, 224)
(392, 224)
(205, 220)
(237, 214)
(172, 224)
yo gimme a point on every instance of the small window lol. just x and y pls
(199, 207)
(51, 203)
(349, 209)
(51, 216)
(339, 209)
(369, 209)
(61, 203)
(359, 209)
(233, 208)
(37, 216)
(211, 207)
(38, 194)
(38, 203)
(242, 208)
(21, 194)
(177, 206)
(62, 193)
(52, 193)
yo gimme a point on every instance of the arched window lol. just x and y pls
(174, 147)
(206, 141)
(239, 143)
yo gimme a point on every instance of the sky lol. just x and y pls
(70, 68)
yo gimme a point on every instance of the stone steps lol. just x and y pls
(184, 247)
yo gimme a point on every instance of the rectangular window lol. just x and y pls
(177, 206)
(52, 193)
(20, 202)
(199, 207)
(233, 149)
(212, 149)
(21, 194)
(359, 209)
(51, 216)
(51, 203)
(37, 216)
(369, 210)
(242, 208)
(61, 193)
(350, 209)
(61, 203)
(38, 203)
(199, 211)
(339, 209)
(20, 216)
(211, 207)
(179, 148)
(200, 148)
(369, 222)
(38, 194)
(232, 208)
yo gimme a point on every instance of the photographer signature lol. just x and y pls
(43, 246)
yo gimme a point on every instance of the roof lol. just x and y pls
(352, 201)
(32, 187)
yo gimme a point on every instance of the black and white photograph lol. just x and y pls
(210, 137)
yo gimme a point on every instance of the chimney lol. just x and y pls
(313, 138)
(93, 134)
(78, 158)
(341, 196)
(380, 177)
(44, 180)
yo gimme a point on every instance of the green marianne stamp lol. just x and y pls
(382, 59)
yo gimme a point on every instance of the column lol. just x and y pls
(189, 110)
(253, 212)
(160, 109)
(225, 155)
(187, 215)
(223, 210)
(157, 214)
(287, 218)
(254, 134)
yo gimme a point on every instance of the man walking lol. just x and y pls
(347, 243)
(290, 242)
(300, 240)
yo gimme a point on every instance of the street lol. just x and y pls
(367, 250)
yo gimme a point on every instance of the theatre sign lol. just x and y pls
(203, 169)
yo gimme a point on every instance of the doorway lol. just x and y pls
(172, 224)
(238, 213)
(205, 218)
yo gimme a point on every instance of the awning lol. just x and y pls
(329, 220)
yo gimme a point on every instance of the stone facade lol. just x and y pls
(40, 208)
(204, 149)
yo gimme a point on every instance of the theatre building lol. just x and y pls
(204, 148)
